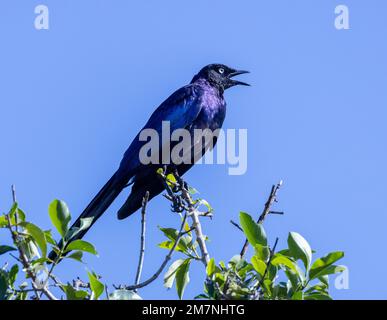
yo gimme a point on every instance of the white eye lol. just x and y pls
(221, 70)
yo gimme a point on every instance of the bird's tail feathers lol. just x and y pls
(94, 210)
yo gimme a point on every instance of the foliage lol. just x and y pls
(290, 273)
(267, 275)
(32, 243)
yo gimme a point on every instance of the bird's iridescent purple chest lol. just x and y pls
(213, 109)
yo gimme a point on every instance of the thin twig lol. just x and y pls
(142, 245)
(277, 212)
(107, 292)
(236, 225)
(272, 251)
(166, 259)
(194, 214)
(272, 198)
(13, 189)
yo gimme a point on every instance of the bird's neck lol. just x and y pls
(209, 85)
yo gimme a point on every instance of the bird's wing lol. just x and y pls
(180, 109)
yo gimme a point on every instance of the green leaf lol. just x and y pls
(192, 191)
(49, 238)
(299, 295)
(13, 209)
(172, 234)
(322, 264)
(21, 215)
(95, 285)
(166, 245)
(3, 221)
(170, 275)
(5, 249)
(77, 255)
(60, 216)
(81, 245)
(293, 278)
(272, 272)
(259, 265)
(324, 279)
(37, 235)
(12, 275)
(39, 261)
(332, 269)
(320, 288)
(262, 252)
(72, 294)
(171, 180)
(169, 244)
(3, 285)
(122, 294)
(299, 248)
(234, 261)
(182, 277)
(254, 232)
(205, 203)
(85, 224)
(317, 296)
(280, 260)
(210, 269)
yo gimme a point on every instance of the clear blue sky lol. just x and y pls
(73, 97)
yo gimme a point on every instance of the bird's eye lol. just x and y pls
(221, 70)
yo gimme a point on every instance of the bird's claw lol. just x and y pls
(177, 204)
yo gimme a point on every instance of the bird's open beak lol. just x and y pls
(236, 82)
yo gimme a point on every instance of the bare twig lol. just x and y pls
(166, 260)
(13, 189)
(194, 214)
(107, 292)
(236, 225)
(277, 212)
(272, 198)
(142, 245)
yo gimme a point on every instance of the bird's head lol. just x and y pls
(220, 76)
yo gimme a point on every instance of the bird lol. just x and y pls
(197, 105)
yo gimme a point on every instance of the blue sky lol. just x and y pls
(74, 96)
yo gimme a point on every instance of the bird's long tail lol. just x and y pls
(96, 207)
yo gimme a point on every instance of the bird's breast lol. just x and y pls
(212, 113)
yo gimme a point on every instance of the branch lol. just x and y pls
(194, 214)
(236, 225)
(142, 246)
(272, 198)
(24, 259)
(167, 258)
(14, 201)
(272, 251)
(78, 283)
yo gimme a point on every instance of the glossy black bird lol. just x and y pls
(198, 105)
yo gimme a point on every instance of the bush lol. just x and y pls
(289, 273)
